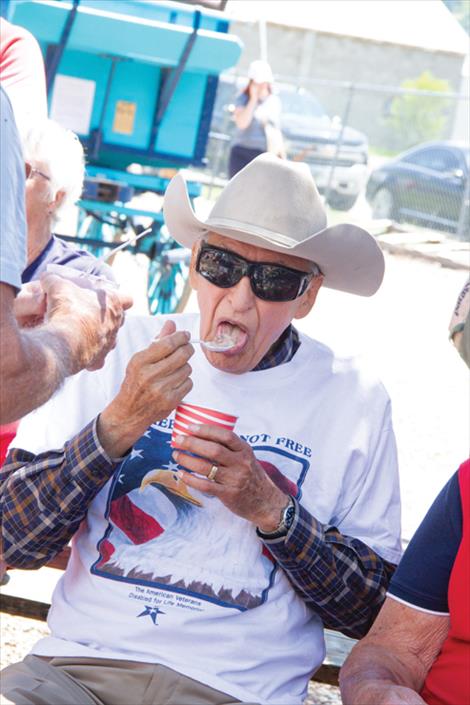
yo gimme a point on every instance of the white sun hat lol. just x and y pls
(260, 71)
(274, 204)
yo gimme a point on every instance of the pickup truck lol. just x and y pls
(310, 136)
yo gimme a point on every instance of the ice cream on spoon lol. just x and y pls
(225, 339)
(220, 343)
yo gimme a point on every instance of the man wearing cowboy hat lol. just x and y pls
(206, 562)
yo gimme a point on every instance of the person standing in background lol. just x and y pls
(257, 117)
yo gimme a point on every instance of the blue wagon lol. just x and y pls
(136, 80)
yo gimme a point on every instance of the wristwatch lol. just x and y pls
(287, 519)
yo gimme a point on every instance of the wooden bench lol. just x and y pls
(338, 646)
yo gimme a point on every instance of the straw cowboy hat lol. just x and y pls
(274, 204)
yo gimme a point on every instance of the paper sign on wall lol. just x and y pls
(124, 117)
(72, 103)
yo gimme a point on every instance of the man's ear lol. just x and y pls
(57, 202)
(193, 277)
(307, 300)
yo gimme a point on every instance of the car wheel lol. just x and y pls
(383, 204)
(339, 202)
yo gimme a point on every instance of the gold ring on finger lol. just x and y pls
(213, 472)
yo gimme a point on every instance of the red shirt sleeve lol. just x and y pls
(22, 74)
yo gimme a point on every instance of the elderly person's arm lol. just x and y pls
(80, 330)
(389, 666)
(81, 325)
(44, 498)
(340, 577)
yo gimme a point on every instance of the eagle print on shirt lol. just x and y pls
(163, 534)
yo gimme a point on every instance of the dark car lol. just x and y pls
(427, 184)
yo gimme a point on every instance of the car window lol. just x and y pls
(437, 159)
(301, 103)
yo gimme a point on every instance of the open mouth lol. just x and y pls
(232, 334)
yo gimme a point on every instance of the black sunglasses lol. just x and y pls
(269, 281)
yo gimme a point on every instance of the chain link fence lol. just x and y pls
(389, 153)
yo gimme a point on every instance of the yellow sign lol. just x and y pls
(124, 117)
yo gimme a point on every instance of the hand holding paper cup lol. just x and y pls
(187, 414)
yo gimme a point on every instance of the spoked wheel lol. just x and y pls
(94, 231)
(383, 204)
(168, 275)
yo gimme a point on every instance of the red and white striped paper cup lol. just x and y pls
(187, 414)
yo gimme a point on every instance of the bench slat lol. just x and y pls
(21, 607)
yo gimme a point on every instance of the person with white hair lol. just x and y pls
(55, 170)
(257, 117)
(81, 325)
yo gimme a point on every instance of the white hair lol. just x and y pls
(62, 153)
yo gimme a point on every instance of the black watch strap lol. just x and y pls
(287, 519)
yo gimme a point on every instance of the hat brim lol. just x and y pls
(348, 256)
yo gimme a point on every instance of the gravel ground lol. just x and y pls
(319, 694)
(19, 634)
(17, 637)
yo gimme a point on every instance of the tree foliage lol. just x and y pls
(417, 118)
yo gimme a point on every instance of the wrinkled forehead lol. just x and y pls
(258, 254)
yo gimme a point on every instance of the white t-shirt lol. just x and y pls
(160, 575)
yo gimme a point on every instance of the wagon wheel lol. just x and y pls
(168, 276)
(93, 230)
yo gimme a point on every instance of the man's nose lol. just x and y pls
(241, 295)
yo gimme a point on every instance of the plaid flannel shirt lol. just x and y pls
(44, 499)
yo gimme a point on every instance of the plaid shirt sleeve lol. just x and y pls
(340, 578)
(44, 498)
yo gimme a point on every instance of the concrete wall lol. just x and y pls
(305, 55)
